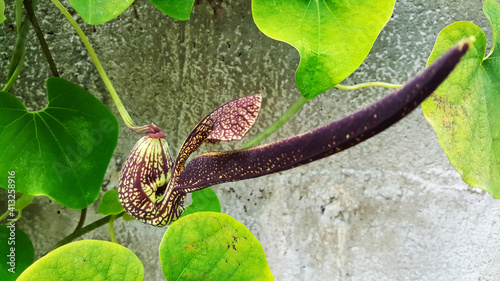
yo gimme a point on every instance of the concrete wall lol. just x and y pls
(392, 208)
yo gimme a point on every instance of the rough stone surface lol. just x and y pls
(392, 208)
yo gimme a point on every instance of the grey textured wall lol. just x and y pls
(392, 208)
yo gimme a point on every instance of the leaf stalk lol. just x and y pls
(296, 107)
(84, 230)
(368, 84)
(109, 86)
(39, 34)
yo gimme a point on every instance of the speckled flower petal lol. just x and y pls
(146, 169)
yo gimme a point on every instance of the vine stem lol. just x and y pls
(112, 229)
(84, 230)
(296, 107)
(19, 14)
(109, 86)
(15, 74)
(39, 34)
(368, 84)
(21, 202)
(16, 218)
(83, 216)
(17, 60)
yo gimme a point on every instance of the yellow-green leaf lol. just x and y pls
(213, 246)
(465, 110)
(2, 11)
(87, 260)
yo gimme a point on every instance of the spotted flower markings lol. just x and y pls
(146, 189)
(146, 169)
(152, 189)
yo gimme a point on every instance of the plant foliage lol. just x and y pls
(211, 245)
(465, 110)
(61, 151)
(333, 37)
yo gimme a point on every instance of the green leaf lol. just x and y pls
(492, 11)
(62, 151)
(127, 217)
(99, 11)
(178, 9)
(86, 260)
(110, 205)
(333, 37)
(212, 246)
(465, 110)
(17, 252)
(204, 200)
(2, 11)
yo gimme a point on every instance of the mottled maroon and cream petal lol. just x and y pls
(147, 167)
(229, 122)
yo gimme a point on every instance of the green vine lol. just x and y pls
(114, 95)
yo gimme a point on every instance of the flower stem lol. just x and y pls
(85, 230)
(296, 107)
(114, 95)
(368, 84)
(111, 229)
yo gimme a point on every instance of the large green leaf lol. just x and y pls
(204, 200)
(333, 37)
(178, 9)
(13, 263)
(212, 246)
(99, 11)
(86, 260)
(62, 151)
(465, 110)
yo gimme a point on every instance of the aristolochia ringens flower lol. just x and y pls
(147, 188)
(153, 187)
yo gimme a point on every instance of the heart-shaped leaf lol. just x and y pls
(333, 37)
(86, 260)
(465, 110)
(212, 246)
(62, 151)
(17, 252)
(204, 200)
(99, 11)
(110, 205)
(178, 9)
